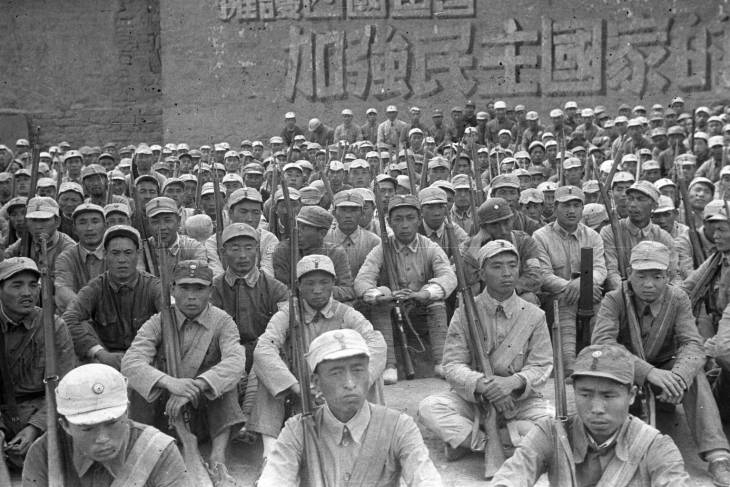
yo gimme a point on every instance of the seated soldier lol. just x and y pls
(101, 446)
(425, 279)
(22, 340)
(667, 348)
(520, 353)
(609, 446)
(212, 363)
(507, 186)
(360, 443)
(316, 280)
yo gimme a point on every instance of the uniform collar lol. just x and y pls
(309, 313)
(636, 231)
(341, 236)
(26, 321)
(98, 252)
(655, 306)
(116, 285)
(509, 305)
(582, 441)
(412, 246)
(563, 232)
(429, 231)
(201, 319)
(357, 425)
(251, 278)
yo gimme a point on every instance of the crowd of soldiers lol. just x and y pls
(309, 269)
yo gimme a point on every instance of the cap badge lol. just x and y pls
(97, 388)
(596, 355)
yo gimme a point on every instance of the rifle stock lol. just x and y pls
(585, 299)
(173, 356)
(494, 455)
(56, 477)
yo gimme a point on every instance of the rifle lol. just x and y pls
(561, 172)
(273, 216)
(199, 188)
(391, 276)
(55, 463)
(494, 455)
(585, 299)
(34, 162)
(411, 170)
(564, 473)
(140, 222)
(218, 214)
(325, 172)
(173, 356)
(297, 340)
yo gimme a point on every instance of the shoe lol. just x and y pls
(453, 454)
(719, 470)
(438, 370)
(390, 376)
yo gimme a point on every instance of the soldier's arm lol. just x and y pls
(718, 346)
(137, 361)
(531, 275)
(224, 376)
(538, 361)
(64, 281)
(282, 466)
(684, 255)
(417, 469)
(690, 355)
(667, 240)
(280, 261)
(268, 245)
(599, 259)
(443, 274)
(551, 283)
(366, 283)
(613, 277)
(268, 365)
(78, 318)
(665, 464)
(529, 461)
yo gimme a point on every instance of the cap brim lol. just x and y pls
(351, 204)
(340, 354)
(192, 280)
(649, 265)
(40, 215)
(603, 375)
(434, 202)
(565, 199)
(159, 211)
(98, 416)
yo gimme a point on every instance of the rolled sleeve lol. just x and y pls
(268, 365)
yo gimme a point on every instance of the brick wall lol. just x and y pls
(86, 71)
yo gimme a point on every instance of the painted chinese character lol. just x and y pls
(410, 9)
(288, 9)
(328, 65)
(719, 29)
(322, 9)
(687, 62)
(439, 56)
(572, 57)
(389, 65)
(357, 60)
(366, 9)
(447, 9)
(299, 67)
(513, 54)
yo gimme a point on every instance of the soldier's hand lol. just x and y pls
(670, 383)
(383, 299)
(571, 293)
(504, 404)
(500, 388)
(421, 296)
(174, 406)
(112, 359)
(22, 441)
(186, 388)
(296, 389)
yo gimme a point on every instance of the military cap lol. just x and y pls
(505, 132)
(125, 231)
(446, 186)
(402, 201)
(71, 154)
(644, 152)
(686, 160)
(365, 194)
(315, 216)
(279, 195)
(13, 202)
(290, 115)
(257, 143)
(646, 188)
(649, 255)
(639, 108)
(521, 173)
(494, 210)
(724, 171)
(456, 110)
(22, 172)
(660, 183)
(386, 178)
(432, 196)
(306, 165)
(726, 127)
(483, 116)
(106, 155)
(70, 186)
(192, 272)
(531, 195)
(556, 112)
(92, 394)
(224, 146)
(209, 188)
(391, 108)
(712, 209)
(716, 141)
(702, 110)
(587, 112)
(239, 230)
(594, 214)
(635, 122)
(125, 162)
(171, 181)
(505, 181)
(188, 178)
(416, 130)
(147, 177)
(622, 177)
(159, 205)
(499, 105)
(310, 195)
(117, 208)
(438, 161)
(253, 168)
(64, 144)
(608, 361)
(359, 164)
(547, 187)
(46, 183)
(519, 108)
(437, 112)
(494, 248)
(157, 148)
(577, 148)
(348, 197)
(243, 194)
(650, 165)
(536, 143)
(334, 345)
(569, 193)
(664, 205)
(372, 153)
(702, 180)
(461, 181)
(522, 154)
(194, 154)
(572, 162)
(590, 186)
(183, 147)
(41, 207)
(232, 178)
(534, 170)
(337, 166)
(470, 130)
(5, 177)
(231, 153)
(87, 208)
(683, 116)
(22, 143)
(315, 262)
(702, 136)
(658, 132)
(143, 149)
(403, 180)
(15, 265)
(570, 104)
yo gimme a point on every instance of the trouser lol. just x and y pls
(433, 316)
(722, 389)
(703, 417)
(452, 418)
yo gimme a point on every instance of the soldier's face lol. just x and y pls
(664, 219)
(90, 228)
(241, 254)
(344, 384)
(100, 442)
(165, 225)
(147, 191)
(310, 237)
(434, 214)
(533, 210)
(121, 258)
(175, 192)
(501, 229)
(648, 284)
(348, 218)
(359, 177)
(22, 185)
(19, 293)
(404, 221)
(95, 184)
(117, 218)
(602, 404)
(462, 198)
(512, 196)
(569, 213)
(42, 226)
(17, 218)
(500, 273)
(639, 206)
(253, 180)
(316, 288)
(699, 196)
(191, 298)
(721, 236)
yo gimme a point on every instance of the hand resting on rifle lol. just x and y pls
(671, 384)
(22, 441)
(499, 390)
(571, 293)
(182, 391)
(405, 294)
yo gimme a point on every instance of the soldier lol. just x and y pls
(499, 123)
(84, 261)
(438, 130)
(101, 445)
(360, 443)
(164, 222)
(370, 128)
(642, 198)
(672, 347)
(389, 131)
(316, 281)
(22, 361)
(460, 212)
(347, 130)
(356, 241)
(107, 312)
(507, 186)
(313, 223)
(531, 203)
(520, 354)
(14, 210)
(559, 245)
(212, 363)
(94, 180)
(425, 280)
(70, 195)
(117, 214)
(608, 445)
(434, 208)
(72, 162)
(291, 129)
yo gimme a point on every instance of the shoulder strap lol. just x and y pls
(619, 473)
(143, 458)
(375, 446)
(660, 326)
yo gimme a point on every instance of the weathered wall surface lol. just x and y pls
(231, 68)
(87, 71)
